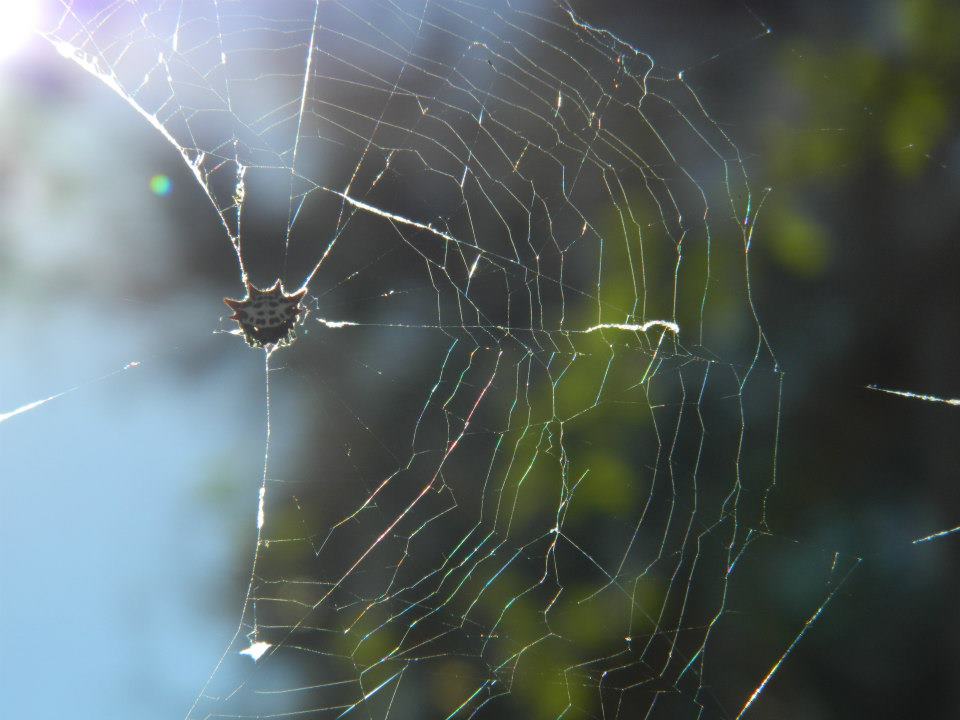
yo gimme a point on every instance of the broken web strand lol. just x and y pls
(923, 397)
(34, 404)
(539, 336)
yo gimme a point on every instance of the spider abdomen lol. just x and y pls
(267, 317)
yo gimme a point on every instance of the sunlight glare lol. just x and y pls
(18, 22)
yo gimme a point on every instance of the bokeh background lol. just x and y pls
(129, 502)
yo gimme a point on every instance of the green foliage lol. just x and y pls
(854, 111)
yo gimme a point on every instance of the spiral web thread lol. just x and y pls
(553, 437)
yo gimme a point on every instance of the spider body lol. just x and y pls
(267, 317)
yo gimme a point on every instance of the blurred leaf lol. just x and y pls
(916, 122)
(929, 29)
(796, 241)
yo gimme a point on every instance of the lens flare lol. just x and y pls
(160, 185)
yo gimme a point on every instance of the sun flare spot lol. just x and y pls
(18, 23)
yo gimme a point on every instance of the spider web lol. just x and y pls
(548, 414)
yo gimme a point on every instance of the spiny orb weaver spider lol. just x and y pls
(267, 316)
